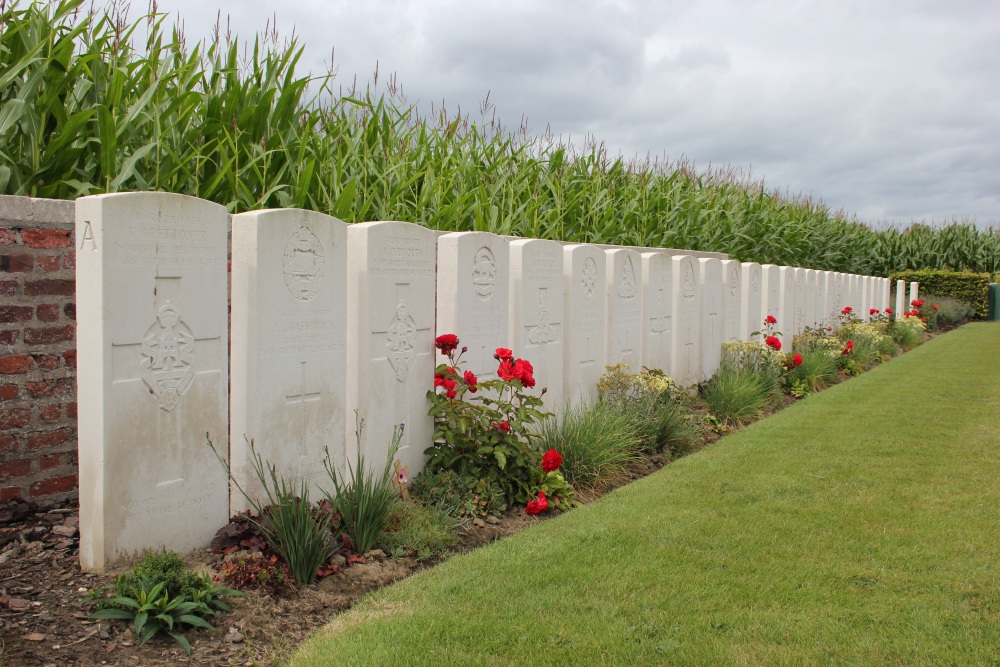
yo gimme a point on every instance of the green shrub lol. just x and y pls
(817, 371)
(413, 528)
(165, 567)
(364, 501)
(965, 286)
(950, 311)
(737, 397)
(597, 442)
(460, 495)
(905, 333)
(866, 340)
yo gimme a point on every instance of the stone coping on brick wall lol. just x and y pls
(20, 211)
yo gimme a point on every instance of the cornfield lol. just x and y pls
(83, 110)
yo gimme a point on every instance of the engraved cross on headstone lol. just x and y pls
(299, 399)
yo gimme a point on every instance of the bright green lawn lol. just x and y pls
(860, 526)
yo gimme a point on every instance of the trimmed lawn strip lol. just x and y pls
(858, 526)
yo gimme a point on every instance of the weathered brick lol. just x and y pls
(9, 337)
(16, 263)
(9, 288)
(8, 392)
(50, 287)
(7, 236)
(8, 444)
(69, 261)
(9, 493)
(49, 438)
(16, 363)
(47, 312)
(15, 313)
(46, 238)
(49, 461)
(14, 469)
(71, 410)
(70, 357)
(50, 413)
(47, 362)
(49, 262)
(53, 485)
(48, 387)
(34, 336)
(14, 418)
(70, 310)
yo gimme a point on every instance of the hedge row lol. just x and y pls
(966, 286)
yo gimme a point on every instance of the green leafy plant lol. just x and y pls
(416, 529)
(485, 429)
(816, 370)
(247, 570)
(300, 533)
(363, 500)
(460, 495)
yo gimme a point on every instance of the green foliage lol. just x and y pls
(950, 311)
(965, 286)
(486, 429)
(85, 110)
(866, 343)
(817, 371)
(737, 396)
(252, 570)
(459, 495)
(364, 501)
(150, 597)
(301, 534)
(414, 528)
(597, 443)
(906, 332)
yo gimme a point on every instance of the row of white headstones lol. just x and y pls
(330, 319)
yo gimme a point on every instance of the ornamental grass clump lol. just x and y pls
(949, 311)
(362, 499)
(746, 384)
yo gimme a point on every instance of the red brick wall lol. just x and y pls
(37, 349)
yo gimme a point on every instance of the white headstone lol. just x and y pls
(152, 345)
(289, 309)
(585, 317)
(732, 325)
(771, 304)
(886, 293)
(624, 297)
(472, 296)
(914, 293)
(900, 299)
(811, 298)
(801, 300)
(390, 333)
(685, 346)
(786, 306)
(657, 300)
(866, 299)
(822, 298)
(751, 299)
(536, 314)
(710, 286)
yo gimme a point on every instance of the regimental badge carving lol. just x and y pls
(303, 265)
(689, 289)
(484, 273)
(628, 288)
(543, 332)
(167, 357)
(661, 323)
(589, 279)
(401, 342)
(734, 280)
(755, 280)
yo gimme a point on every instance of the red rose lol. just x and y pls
(846, 310)
(873, 311)
(770, 319)
(773, 342)
(797, 360)
(446, 343)
(472, 381)
(451, 393)
(502, 426)
(506, 370)
(934, 307)
(524, 372)
(438, 379)
(537, 506)
(448, 384)
(888, 310)
(551, 460)
(503, 353)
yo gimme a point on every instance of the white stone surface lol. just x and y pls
(685, 347)
(900, 298)
(771, 304)
(585, 315)
(623, 290)
(289, 310)
(536, 314)
(710, 286)
(390, 333)
(751, 299)
(152, 373)
(473, 282)
(732, 325)
(914, 294)
(658, 297)
(886, 293)
(801, 300)
(812, 297)
(822, 298)
(786, 306)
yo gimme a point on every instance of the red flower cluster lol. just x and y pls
(446, 343)
(847, 310)
(848, 346)
(502, 426)
(511, 369)
(797, 360)
(472, 381)
(888, 311)
(551, 460)
(912, 313)
(773, 342)
(917, 303)
(873, 311)
(537, 506)
(934, 307)
(770, 319)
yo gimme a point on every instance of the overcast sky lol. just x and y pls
(889, 109)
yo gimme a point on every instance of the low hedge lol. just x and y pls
(966, 286)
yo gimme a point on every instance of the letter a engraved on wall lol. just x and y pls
(167, 357)
(303, 264)
(88, 235)
(401, 342)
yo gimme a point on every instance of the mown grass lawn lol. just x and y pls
(860, 526)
